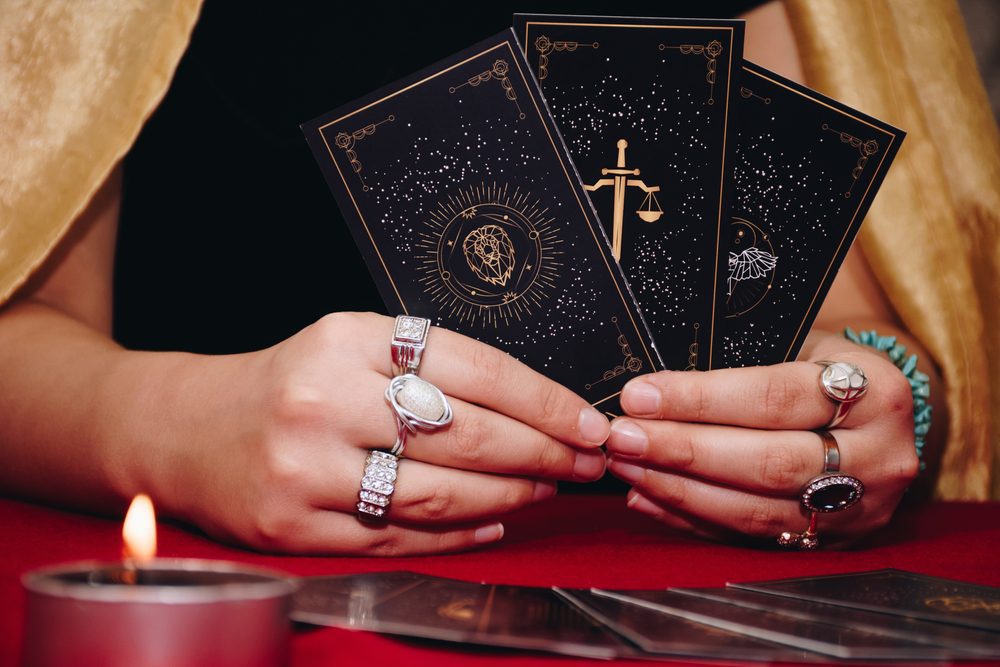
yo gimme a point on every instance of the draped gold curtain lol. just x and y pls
(933, 233)
(78, 79)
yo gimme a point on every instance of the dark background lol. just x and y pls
(230, 240)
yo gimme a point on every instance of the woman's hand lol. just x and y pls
(283, 468)
(726, 452)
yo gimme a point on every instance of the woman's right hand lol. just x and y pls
(282, 468)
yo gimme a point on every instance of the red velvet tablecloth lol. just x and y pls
(572, 541)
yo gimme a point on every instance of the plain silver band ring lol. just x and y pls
(831, 452)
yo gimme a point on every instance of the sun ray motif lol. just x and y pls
(488, 254)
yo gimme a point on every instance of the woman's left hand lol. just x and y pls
(727, 452)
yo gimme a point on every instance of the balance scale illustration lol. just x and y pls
(649, 211)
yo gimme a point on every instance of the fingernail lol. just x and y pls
(544, 489)
(589, 465)
(487, 534)
(641, 503)
(627, 438)
(593, 426)
(627, 472)
(641, 399)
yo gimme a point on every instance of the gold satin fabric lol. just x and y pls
(77, 81)
(933, 234)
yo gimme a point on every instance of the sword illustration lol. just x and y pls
(650, 210)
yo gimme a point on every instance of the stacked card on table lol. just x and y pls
(644, 106)
(878, 615)
(466, 206)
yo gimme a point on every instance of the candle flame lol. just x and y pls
(139, 530)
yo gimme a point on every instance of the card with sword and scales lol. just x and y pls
(644, 105)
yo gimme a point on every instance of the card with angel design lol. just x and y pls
(463, 200)
(806, 171)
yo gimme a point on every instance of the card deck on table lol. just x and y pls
(827, 639)
(666, 634)
(465, 204)
(896, 592)
(644, 105)
(806, 171)
(416, 605)
(967, 640)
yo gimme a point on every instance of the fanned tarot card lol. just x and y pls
(466, 206)
(806, 171)
(644, 106)
(896, 592)
(417, 605)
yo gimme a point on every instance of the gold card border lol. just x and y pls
(725, 132)
(885, 153)
(572, 183)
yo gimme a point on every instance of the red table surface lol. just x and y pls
(572, 541)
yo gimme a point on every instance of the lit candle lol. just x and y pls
(149, 611)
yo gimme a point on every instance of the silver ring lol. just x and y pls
(377, 485)
(417, 403)
(409, 337)
(832, 491)
(844, 384)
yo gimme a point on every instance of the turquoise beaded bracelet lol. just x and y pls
(919, 382)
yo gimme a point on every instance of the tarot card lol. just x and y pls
(823, 638)
(667, 634)
(416, 605)
(644, 105)
(466, 206)
(896, 592)
(806, 171)
(980, 643)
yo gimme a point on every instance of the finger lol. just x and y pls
(486, 376)
(784, 396)
(750, 514)
(423, 493)
(730, 509)
(769, 462)
(477, 439)
(674, 519)
(335, 533)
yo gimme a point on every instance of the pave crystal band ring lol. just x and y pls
(377, 485)
(831, 491)
(844, 384)
(409, 337)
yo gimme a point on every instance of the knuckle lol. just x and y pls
(383, 543)
(685, 392)
(466, 440)
(491, 365)
(514, 496)
(680, 449)
(550, 459)
(780, 469)
(763, 520)
(434, 503)
(780, 398)
(336, 326)
(294, 401)
(551, 402)
(897, 398)
(673, 492)
(273, 526)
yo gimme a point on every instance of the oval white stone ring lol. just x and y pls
(418, 404)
